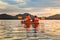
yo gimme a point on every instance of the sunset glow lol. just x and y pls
(34, 7)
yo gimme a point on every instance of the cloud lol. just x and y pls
(21, 2)
(33, 3)
(16, 2)
(12, 2)
(34, 11)
(48, 7)
(3, 5)
(44, 3)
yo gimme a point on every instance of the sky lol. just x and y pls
(34, 7)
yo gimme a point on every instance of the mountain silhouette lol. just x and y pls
(57, 17)
(6, 16)
(9, 17)
(24, 15)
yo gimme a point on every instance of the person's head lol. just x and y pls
(28, 15)
(43, 18)
(35, 16)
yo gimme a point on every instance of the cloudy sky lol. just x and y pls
(34, 7)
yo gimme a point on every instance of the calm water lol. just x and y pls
(16, 30)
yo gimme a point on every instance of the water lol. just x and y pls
(13, 29)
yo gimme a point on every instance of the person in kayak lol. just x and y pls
(35, 24)
(27, 24)
(42, 24)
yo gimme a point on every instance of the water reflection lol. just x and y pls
(9, 28)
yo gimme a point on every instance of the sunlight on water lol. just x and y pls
(14, 29)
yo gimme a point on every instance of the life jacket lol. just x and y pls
(27, 21)
(36, 22)
(36, 19)
(27, 18)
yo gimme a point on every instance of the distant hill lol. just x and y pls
(24, 15)
(9, 17)
(5, 16)
(56, 17)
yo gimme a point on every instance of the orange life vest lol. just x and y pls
(36, 19)
(36, 23)
(27, 18)
(27, 21)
